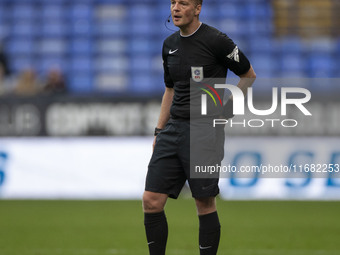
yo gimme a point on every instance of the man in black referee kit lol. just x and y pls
(194, 45)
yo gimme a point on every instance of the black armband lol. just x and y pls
(228, 109)
(157, 131)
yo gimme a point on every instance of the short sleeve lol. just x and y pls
(167, 79)
(230, 55)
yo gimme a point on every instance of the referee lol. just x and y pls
(195, 48)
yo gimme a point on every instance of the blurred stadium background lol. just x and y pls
(80, 89)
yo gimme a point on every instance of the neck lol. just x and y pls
(190, 28)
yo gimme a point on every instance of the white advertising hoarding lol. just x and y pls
(74, 168)
(313, 162)
(115, 168)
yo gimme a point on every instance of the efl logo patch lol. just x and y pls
(197, 73)
(234, 55)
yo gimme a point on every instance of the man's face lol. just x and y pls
(184, 11)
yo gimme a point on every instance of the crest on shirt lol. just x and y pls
(197, 73)
(234, 55)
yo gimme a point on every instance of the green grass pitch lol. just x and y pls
(116, 227)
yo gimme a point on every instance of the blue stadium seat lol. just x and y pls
(156, 45)
(5, 13)
(17, 46)
(233, 28)
(291, 45)
(47, 63)
(166, 29)
(45, 32)
(79, 83)
(322, 45)
(291, 74)
(111, 12)
(209, 12)
(53, 11)
(87, 2)
(49, 1)
(141, 63)
(162, 11)
(260, 27)
(157, 63)
(24, 28)
(242, 43)
(52, 46)
(81, 27)
(4, 30)
(108, 82)
(111, 1)
(158, 85)
(257, 9)
(112, 64)
(160, 29)
(54, 28)
(211, 21)
(130, 2)
(141, 12)
(24, 12)
(81, 11)
(322, 65)
(142, 83)
(82, 46)
(262, 44)
(140, 45)
(293, 62)
(141, 27)
(111, 46)
(265, 65)
(21, 63)
(81, 64)
(111, 29)
(229, 11)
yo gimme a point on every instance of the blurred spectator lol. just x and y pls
(4, 62)
(55, 83)
(4, 73)
(28, 84)
(2, 80)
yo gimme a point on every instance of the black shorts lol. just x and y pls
(169, 167)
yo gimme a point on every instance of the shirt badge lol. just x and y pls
(197, 73)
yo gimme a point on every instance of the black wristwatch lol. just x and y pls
(157, 131)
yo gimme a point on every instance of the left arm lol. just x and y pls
(247, 80)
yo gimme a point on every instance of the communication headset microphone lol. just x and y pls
(168, 21)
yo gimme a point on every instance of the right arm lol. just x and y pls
(164, 115)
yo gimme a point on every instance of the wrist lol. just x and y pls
(157, 131)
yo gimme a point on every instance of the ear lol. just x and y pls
(198, 9)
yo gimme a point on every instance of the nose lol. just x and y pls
(175, 6)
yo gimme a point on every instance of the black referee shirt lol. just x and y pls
(207, 50)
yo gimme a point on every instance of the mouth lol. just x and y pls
(177, 17)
